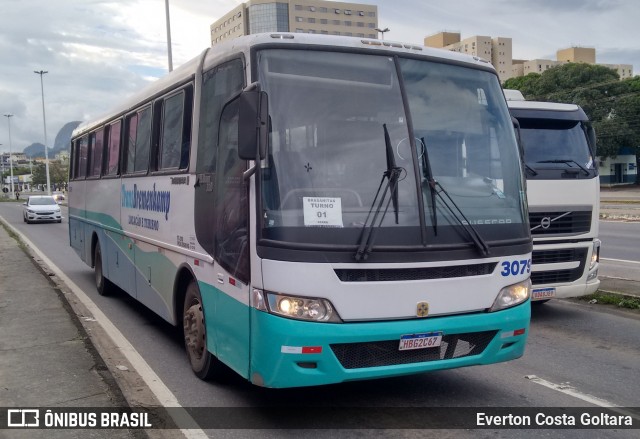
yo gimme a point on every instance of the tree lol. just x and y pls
(574, 76)
(58, 174)
(526, 84)
(16, 171)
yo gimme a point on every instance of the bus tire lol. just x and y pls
(103, 285)
(203, 363)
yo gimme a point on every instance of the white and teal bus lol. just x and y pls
(314, 209)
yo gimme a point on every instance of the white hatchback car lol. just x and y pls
(41, 208)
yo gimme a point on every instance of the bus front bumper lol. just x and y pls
(293, 353)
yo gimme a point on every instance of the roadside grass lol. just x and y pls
(12, 234)
(10, 200)
(618, 300)
(605, 201)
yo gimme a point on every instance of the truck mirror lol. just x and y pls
(253, 115)
(516, 128)
(591, 134)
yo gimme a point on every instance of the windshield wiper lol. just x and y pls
(436, 191)
(426, 165)
(448, 202)
(392, 175)
(566, 162)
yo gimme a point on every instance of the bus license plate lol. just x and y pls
(543, 293)
(420, 341)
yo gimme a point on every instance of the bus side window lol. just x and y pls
(130, 152)
(113, 151)
(73, 160)
(143, 140)
(82, 158)
(138, 141)
(171, 140)
(96, 153)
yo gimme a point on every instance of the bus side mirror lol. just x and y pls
(253, 128)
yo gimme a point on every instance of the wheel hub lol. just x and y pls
(194, 330)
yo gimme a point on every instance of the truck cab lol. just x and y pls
(563, 191)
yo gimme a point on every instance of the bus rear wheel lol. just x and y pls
(203, 363)
(103, 285)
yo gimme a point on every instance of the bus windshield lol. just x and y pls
(327, 154)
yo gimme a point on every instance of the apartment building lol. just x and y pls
(535, 66)
(306, 16)
(577, 54)
(497, 51)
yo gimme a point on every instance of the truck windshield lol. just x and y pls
(327, 151)
(555, 145)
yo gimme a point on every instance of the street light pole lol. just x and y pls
(9, 116)
(166, 7)
(382, 31)
(44, 122)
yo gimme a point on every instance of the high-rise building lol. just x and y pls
(577, 54)
(588, 55)
(306, 16)
(497, 51)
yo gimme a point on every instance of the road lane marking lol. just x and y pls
(620, 260)
(152, 380)
(571, 391)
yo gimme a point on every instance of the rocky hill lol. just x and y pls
(61, 142)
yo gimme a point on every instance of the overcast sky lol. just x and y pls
(98, 52)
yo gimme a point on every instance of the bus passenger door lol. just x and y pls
(231, 244)
(220, 216)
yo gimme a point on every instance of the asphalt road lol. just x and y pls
(620, 252)
(585, 353)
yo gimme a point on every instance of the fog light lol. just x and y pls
(595, 253)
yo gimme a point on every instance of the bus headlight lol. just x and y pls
(512, 295)
(595, 254)
(302, 308)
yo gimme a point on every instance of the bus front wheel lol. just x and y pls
(203, 363)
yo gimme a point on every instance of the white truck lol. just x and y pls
(563, 191)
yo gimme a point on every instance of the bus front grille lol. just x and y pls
(386, 353)
(401, 274)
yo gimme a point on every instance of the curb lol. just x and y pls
(128, 384)
(621, 286)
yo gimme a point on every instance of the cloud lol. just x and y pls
(98, 52)
(85, 49)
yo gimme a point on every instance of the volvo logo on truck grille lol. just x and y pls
(546, 221)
